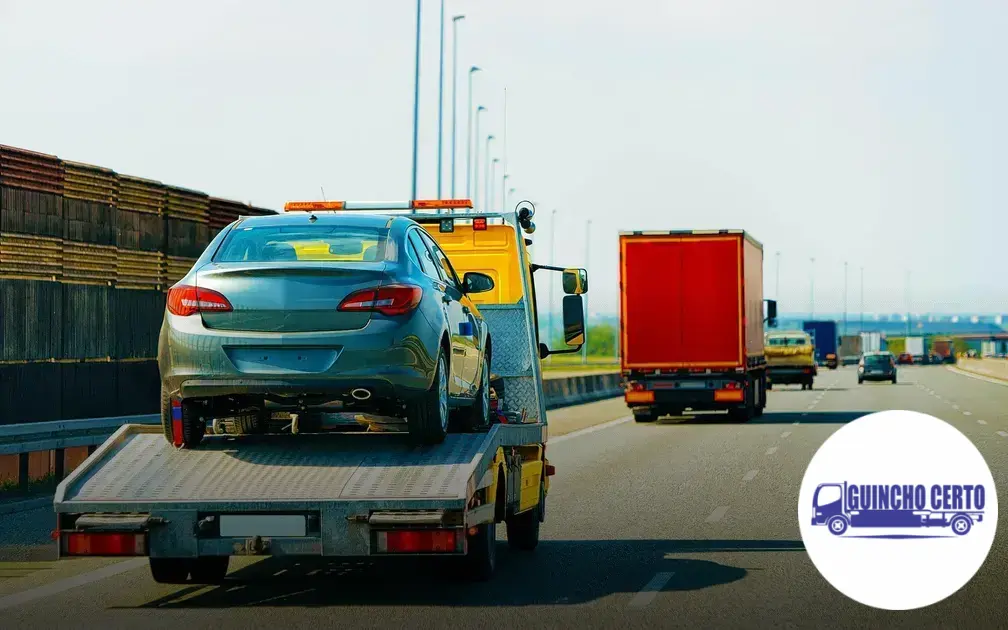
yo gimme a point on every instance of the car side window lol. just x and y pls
(445, 264)
(423, 254)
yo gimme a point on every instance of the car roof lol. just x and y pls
(377, 221)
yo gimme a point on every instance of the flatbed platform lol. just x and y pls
(136, 470)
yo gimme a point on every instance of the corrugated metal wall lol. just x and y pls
(86, 256)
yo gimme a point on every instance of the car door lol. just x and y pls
(449, 293)
(469, 335)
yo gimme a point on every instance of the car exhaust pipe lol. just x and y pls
(360, 394)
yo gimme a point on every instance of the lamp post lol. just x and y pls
(416, 101)
(455, 20)
(584, 352)
(862, 299)
(490, 184)
(504, 191)
(469, 133)
(510, 192)
(486, 180)
(475, 173)
(552, 284)
(845, 297)
(440, 104)
(812, 288)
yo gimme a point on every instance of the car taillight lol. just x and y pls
(186, 300)
(395, 299)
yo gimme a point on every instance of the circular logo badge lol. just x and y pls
(898, 510)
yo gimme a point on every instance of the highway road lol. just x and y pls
(684, 523)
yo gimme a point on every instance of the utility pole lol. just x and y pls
(812, 289)
(845, 297)
(862, 298)
(469, 135)
(440, 107)
(584, 352)
(416, 101)
(777, 287)
(552, 283)
(455, 20)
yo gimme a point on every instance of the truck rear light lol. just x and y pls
(479, 224)
(185, 300)
(550, 470)
(420, 541)
(393, 299)
(732, 385)
(635, 387)
(729, 395)
(103, 544)
(639, 397)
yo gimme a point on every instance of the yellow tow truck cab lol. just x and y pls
(790, 357)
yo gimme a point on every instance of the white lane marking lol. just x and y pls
(59, 586)
(647, 594)
(811, 406)
(1003, 433)
(977, 376)
(278, 597)
(967, 413)
(956, 407)
(981, 422)
(785, 434)
(749, 476)
(717, 514)
(587, 430)
(771, 450)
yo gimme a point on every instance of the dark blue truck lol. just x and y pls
(825, 340)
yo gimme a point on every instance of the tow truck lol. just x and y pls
(348, 494)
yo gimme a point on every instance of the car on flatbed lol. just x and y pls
(348, 494)
(312, 312)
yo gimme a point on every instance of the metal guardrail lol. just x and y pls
(16, 439)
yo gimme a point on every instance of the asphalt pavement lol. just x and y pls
(688, 522)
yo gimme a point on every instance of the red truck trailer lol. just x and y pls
(691, 325)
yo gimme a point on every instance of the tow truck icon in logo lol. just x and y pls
(839, 506)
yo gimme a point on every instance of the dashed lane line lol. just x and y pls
(981, 422)
(647, 594)
(587, 430)
(717, 514)
(749, 476)
(785, 434)
(66, 584)
(771, 450)
(1003, 433)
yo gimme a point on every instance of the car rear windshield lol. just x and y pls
(313, 243)
(877, 360)
(786, 341)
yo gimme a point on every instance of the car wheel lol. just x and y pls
(860, 381)
(428, 418)
(166, 419)
(478, 417)
(193, 423)
(894, 379)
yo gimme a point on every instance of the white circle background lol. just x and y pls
(897, 447)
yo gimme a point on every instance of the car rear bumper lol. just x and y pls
(877, 377)
(392, 361)
(697, 394)
(786, 375)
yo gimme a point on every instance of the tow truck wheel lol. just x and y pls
(961, 525)
(837, 525)
(170, 570)
(523, 529)
(478, 416)
(481, 556)
(210, 569)
(428, 418)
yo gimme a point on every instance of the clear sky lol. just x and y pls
(871, 132)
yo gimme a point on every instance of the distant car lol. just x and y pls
(905, 358)
(315, 313)
(832, 362)
(876, 366)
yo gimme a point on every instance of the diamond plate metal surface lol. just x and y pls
(512, 353)
(147, 468)
(521, 392)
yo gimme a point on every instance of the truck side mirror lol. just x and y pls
(475, 282)
(575, 281)
(771, 309)
(574, 320)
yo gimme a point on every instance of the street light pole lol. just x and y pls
(440, 105)
(486, 180)
(475, 195)
(416, 101)
(455, 21)
(584, 352)
(504, 191)
(812, 288)
(552, 283)
(490, 184)
(845, 297)
(862, 299)
(469, 135)
(777, 286)
(510, 192)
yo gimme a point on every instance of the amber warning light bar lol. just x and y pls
(377, 206)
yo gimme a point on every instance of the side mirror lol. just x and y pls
(771, 309)
(575, 282)
(475, 282)
(574, 320)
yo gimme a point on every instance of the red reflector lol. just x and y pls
(550, 470)
(76, 544)
(422, 541)
(732, 385)
(639, 397)
(185, 300)
(636, 387)
(394, 299)
(729, 395)
(480, 223)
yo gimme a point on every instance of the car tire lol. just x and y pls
(428, 417)
(523, 529)
(210, 569)
(893, 380)
(170, 570)
(193, 424)
(860, 381)
(478, 416)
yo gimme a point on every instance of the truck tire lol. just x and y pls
(428, 417)
(523, 529)
(209, 569)
(170, 570)
(477, 418)
(645, 416)
(961, 525)
(480, 560)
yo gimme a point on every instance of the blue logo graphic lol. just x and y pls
(840, 506)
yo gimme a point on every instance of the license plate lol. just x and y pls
(273, 525)
(693, 385)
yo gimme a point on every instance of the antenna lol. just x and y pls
(323, 193)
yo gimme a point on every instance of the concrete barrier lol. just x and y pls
(991, 368)
(581, 389)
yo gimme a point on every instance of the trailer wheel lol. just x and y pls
(210, 569)
(523, 529)
(478, 416)
(481, 556)
(170, 570)
(428, 417)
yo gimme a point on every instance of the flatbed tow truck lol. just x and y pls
(346, 495)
